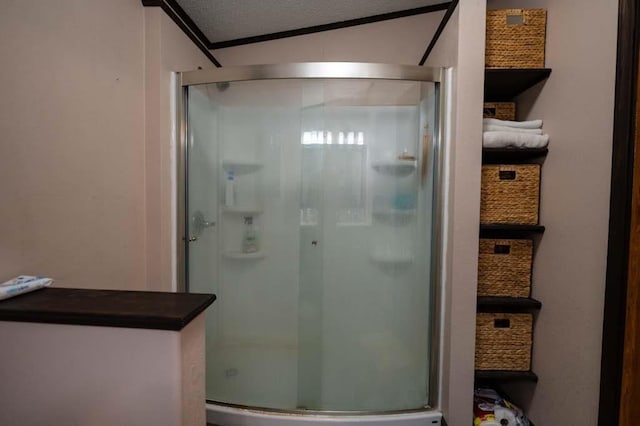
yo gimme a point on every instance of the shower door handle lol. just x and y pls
(198, 225)
(426, 138)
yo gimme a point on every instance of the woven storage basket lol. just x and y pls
(510, 194)
(503, 341)
(499, 110)
(504, 268)
(515, 38)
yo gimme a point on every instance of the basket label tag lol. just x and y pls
(515, 19)
(507, 174)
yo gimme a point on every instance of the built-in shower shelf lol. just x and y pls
(396, 216)
(241, 167)
(242, 211)
(392, 258)
(395, 167)
(238, 255)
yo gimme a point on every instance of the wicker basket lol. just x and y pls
(515, 38)
(503, 341)
(504, 268)
(499, 110)
(510, 194)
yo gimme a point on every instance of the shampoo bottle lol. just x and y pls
(229, 193)
(250, 237)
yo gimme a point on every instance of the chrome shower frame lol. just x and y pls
(331, 70)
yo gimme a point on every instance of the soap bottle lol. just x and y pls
(250, 237)
(229, 193)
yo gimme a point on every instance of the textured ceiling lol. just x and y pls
(222, 20)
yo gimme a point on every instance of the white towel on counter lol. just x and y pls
(494, 128)
(23, 284)
(514, 140)
(532, 124)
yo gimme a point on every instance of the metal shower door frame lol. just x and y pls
(331, 70)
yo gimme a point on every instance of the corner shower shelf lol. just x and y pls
(395, 167)
(238, 255)
(241, 167)
(242, 211)
(394, 215)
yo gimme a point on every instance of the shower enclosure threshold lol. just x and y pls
(218, 414)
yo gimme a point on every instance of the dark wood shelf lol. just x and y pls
(505, 376)
(504, 84)
(512, 155)
(107, 308)
(507, 304)
(509, 231)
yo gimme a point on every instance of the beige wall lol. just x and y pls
(576, 104)
(397, 41)
(461, 47)
(167, 49)
(82, 178)
(58, 374)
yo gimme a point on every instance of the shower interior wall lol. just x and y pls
(291, 327)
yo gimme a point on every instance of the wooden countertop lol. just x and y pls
(109, 308)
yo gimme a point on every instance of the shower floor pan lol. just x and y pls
(232, 416)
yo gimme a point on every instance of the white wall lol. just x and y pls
(84, 115)
(576, 104)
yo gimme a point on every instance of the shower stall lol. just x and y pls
(309, 202)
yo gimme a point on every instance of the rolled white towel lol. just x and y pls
(513, 139)
(494, 128)
(22, 284)
(532, 124)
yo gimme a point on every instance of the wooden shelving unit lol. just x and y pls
(504, 85)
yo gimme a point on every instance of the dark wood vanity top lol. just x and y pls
(110, 308)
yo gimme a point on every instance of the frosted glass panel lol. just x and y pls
(333, 179)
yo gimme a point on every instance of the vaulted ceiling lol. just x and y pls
(216, 24)
(232, 22)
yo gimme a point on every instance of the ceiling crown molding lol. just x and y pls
(186, 24)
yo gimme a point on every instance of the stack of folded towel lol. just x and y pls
(513, 134)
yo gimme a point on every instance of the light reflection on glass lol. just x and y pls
(321, 137)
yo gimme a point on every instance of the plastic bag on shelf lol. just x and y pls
(491, 409)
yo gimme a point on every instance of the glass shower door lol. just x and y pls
(330, 308)
(365, 234)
